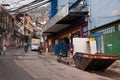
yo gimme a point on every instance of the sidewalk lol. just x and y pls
(115, 66)
(69, 61)
(66, 60)
(46, 67)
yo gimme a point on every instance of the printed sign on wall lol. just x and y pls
(85, 31)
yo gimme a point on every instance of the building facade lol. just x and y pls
(6, 28)
(109, 37)
(86, 18)
(69, 20)
(24, 28)
(104, 25)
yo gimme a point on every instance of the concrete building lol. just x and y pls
(69, 20)
(104, 25)
(24, 27)
(109, 37)
(83, 18)
(2, 24)
(6, 28)
(14, 29)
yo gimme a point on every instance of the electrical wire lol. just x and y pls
(27, 5)
(30, 4)
(36, 6)
(15, 8)
(12, 2)
(16, 3)
(33, 5)
(39, 4)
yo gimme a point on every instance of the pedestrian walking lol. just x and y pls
(4, 50)
(25, 47)
(40, 48)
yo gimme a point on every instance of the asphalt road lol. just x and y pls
(18, 65)
(10, 71)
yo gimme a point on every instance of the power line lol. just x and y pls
(15, 4)
(21, 6)
(12, 2)
(33, 5)
(30, 4)
(27, 5)
(36, 6)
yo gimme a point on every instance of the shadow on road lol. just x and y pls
(108, 73)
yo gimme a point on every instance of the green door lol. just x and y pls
(112, 43)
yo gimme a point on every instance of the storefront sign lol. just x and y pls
(85, 31)
(66, 35)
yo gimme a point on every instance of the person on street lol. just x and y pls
(4, 50)
(40, 48)
(26, 47)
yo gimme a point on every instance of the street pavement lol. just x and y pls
(9, 70)
(18, 65)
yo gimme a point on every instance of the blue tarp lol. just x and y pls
(61, 48)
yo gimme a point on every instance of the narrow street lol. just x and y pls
(85, 31)
(17, 65)
(9, 70)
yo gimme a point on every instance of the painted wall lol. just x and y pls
(57, 5)
(53, 8)
(112, 43)
(29, 23)
(62, 3)
(104, 11)
(101, 11)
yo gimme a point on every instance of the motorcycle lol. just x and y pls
(60, 55)
(25, 49)
(40, 49)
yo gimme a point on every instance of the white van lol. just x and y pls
(35, 44)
